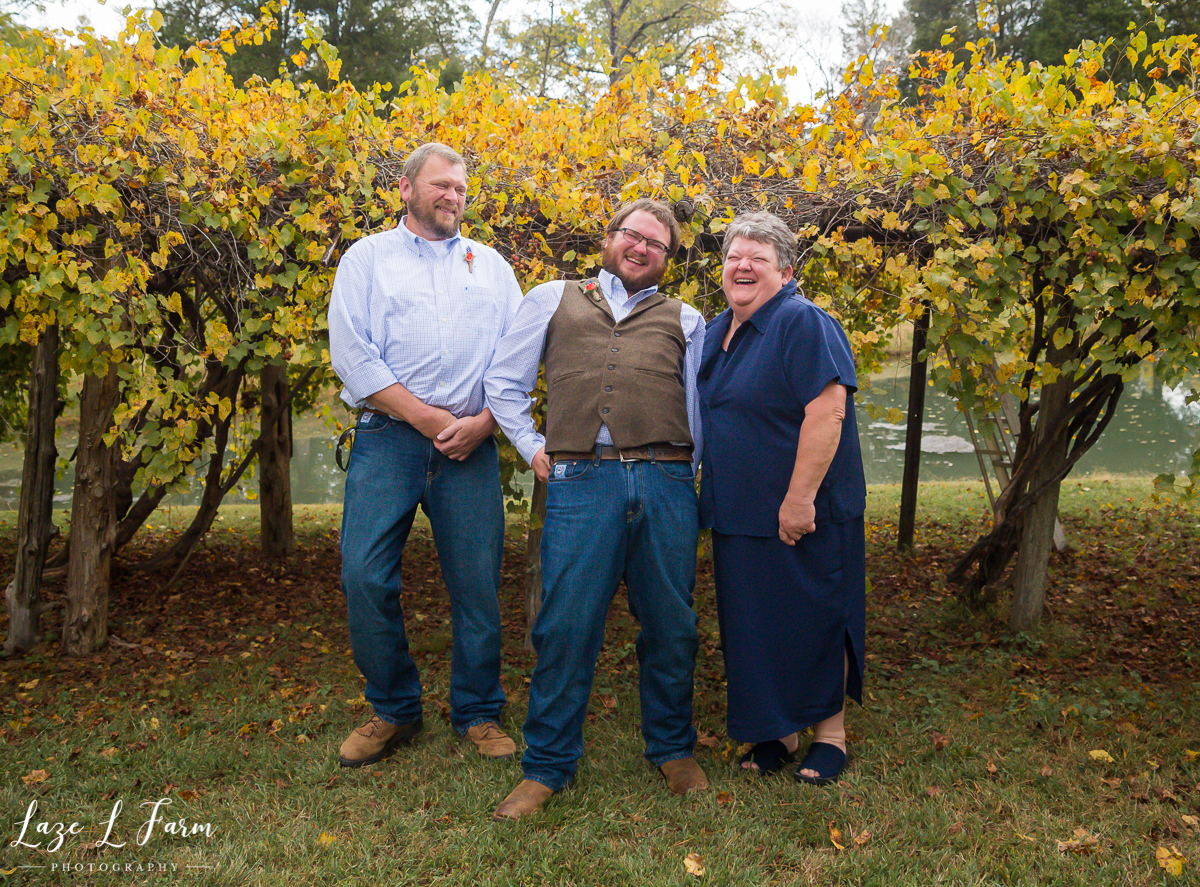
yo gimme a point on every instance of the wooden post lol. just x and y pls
(533, 559)
(276, 532)
(912, 437)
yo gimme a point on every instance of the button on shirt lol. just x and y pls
(414, 311)
(513, 372)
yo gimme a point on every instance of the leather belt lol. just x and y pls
(648, 453)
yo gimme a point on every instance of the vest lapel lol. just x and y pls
(595, 298)
(645, 304)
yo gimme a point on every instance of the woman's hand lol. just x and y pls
(819, 437)
(796, 517)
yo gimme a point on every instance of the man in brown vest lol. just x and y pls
(619, 455)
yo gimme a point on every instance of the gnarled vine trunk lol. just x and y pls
(35, 527)
(1037, 529)
(93, 519)
(1053, 434)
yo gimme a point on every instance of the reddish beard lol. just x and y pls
(650, 274)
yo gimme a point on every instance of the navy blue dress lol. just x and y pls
(789, 616)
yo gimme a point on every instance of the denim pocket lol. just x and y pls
(371, 422)
(569, 469)
(681, 471)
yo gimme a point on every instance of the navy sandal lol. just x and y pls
(828, 760)
(770, 756)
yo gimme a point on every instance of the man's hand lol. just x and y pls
(431, 421)
(459, 439)
(795, 519)
(541, 465)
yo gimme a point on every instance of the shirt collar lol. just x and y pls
(763, 315)
(414, 242)
(615, 289)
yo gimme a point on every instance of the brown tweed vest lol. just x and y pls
(627, 375)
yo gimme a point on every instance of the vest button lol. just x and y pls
(614, 350)
(608, 388)
(612, 366)
(615, 333)
(605, 411)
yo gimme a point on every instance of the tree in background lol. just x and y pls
(188, 22)
(576, 46)
(1063, 24)
(1006, 22)
(869, 32)
(1046, 30)
(377, 40)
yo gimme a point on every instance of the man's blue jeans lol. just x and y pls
(393, 469)
(608, 520)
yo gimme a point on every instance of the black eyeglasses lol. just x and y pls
(653, 246)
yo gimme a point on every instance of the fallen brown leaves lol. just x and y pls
(1081, 843)
(1146, 624)
(237, 609)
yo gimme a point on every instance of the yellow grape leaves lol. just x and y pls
(220, 211)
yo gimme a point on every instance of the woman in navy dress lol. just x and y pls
(783, 491)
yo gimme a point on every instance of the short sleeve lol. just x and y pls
(816, 352)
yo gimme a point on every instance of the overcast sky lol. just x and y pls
(809, 28)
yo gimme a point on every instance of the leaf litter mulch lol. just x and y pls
(1124, 598)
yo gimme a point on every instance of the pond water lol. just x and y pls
(1155, 430)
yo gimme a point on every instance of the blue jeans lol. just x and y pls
(393, 469)
(608, 520)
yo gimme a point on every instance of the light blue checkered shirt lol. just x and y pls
(513, 371)
(408, 310)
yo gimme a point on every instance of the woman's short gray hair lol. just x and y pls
(763, 227)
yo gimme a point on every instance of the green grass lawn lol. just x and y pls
(1071, 757)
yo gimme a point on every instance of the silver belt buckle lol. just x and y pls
(621, 456)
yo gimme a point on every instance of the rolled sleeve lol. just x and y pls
(513, 372)
(691, 366)
(355, 358)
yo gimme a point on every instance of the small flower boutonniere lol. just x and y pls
(589, 288)
(469, 258)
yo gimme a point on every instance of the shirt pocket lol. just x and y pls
(479, 311)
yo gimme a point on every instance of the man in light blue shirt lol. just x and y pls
(414, 317)
(622, 437)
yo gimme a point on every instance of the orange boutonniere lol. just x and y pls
(589, 286)
(469, 258)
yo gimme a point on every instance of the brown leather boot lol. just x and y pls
(375, 740)
(491, 741)
(528, 797)
(683, 776)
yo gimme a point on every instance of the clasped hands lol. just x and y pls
(454, 438)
